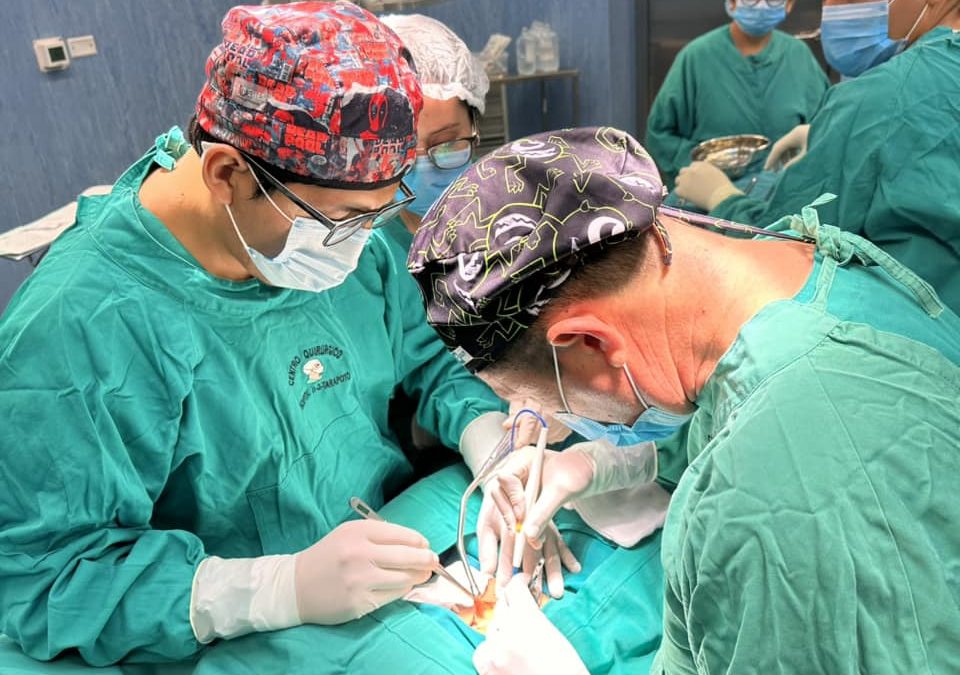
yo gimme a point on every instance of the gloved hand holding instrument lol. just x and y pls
(496, 536)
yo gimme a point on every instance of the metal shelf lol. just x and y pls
(495, 125)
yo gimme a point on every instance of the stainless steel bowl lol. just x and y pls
(731, 154)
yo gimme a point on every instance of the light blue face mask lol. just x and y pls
(653, 424)
(429, 182)
(305, 263)
(757, 20)
(855, 37)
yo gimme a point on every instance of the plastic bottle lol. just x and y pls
(526, 53)
(548, 52)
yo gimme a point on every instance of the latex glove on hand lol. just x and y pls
(528, 427)
(580, 471)
(522, 641)
(360, 566)
(704, 185)
(792, 147)
(497, 537)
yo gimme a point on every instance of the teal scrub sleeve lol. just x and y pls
(914, 210)
(794, 544)
(671, 120)
(843, 157)
(449, 397)
(86, 448)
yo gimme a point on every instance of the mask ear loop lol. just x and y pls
(906, 38)
(203, 149)
(633, 385)
(266, 194)
(556, 371)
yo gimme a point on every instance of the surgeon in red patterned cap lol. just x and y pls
(202, 367)
(317, 95)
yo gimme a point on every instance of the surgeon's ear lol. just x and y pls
(590, 336)
(226, 174)
(789, 6)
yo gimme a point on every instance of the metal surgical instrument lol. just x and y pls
(367, 512)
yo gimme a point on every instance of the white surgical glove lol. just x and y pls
(358, 567)
(580, 471)
(792, 145)
(522, 641)
(528, 428)
(497, 536)
(479, 438)
(703, 184)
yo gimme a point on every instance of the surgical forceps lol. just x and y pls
(364, 510)
(500, 451)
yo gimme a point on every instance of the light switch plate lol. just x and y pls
(82, 45)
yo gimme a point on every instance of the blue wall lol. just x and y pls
(66, 131)
(596, 36)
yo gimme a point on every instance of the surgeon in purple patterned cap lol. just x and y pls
(795, 362)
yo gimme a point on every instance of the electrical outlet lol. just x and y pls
(51, 54)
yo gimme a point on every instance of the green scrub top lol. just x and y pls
(155, 415)
(713, 90)
(888, 145)
(815, 528)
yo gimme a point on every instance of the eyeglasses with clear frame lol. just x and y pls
(457, 152)
(453, 154)
(343, 229)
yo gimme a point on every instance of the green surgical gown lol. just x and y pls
(713, 90)
(888, 145)
(154, 415)
(815, 530)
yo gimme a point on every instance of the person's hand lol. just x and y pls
(497, 536)
(704, 185)
(360, 566)
(528, 426)
(522, 641)
(580, 471)
(793, 146)
(566, 476)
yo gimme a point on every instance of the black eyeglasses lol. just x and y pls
(340, 230)
(770, 3)
(453, 154)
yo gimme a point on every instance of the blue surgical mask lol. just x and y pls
(757, 20)
(653, 424)
(855, 37)
(304, 263)
(428, 182)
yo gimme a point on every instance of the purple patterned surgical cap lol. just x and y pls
(501, 240)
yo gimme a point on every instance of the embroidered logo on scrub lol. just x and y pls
(313, 369)
(319, 368)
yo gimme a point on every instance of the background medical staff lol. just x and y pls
(454, 90)
(886, 143)
(742, 78)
